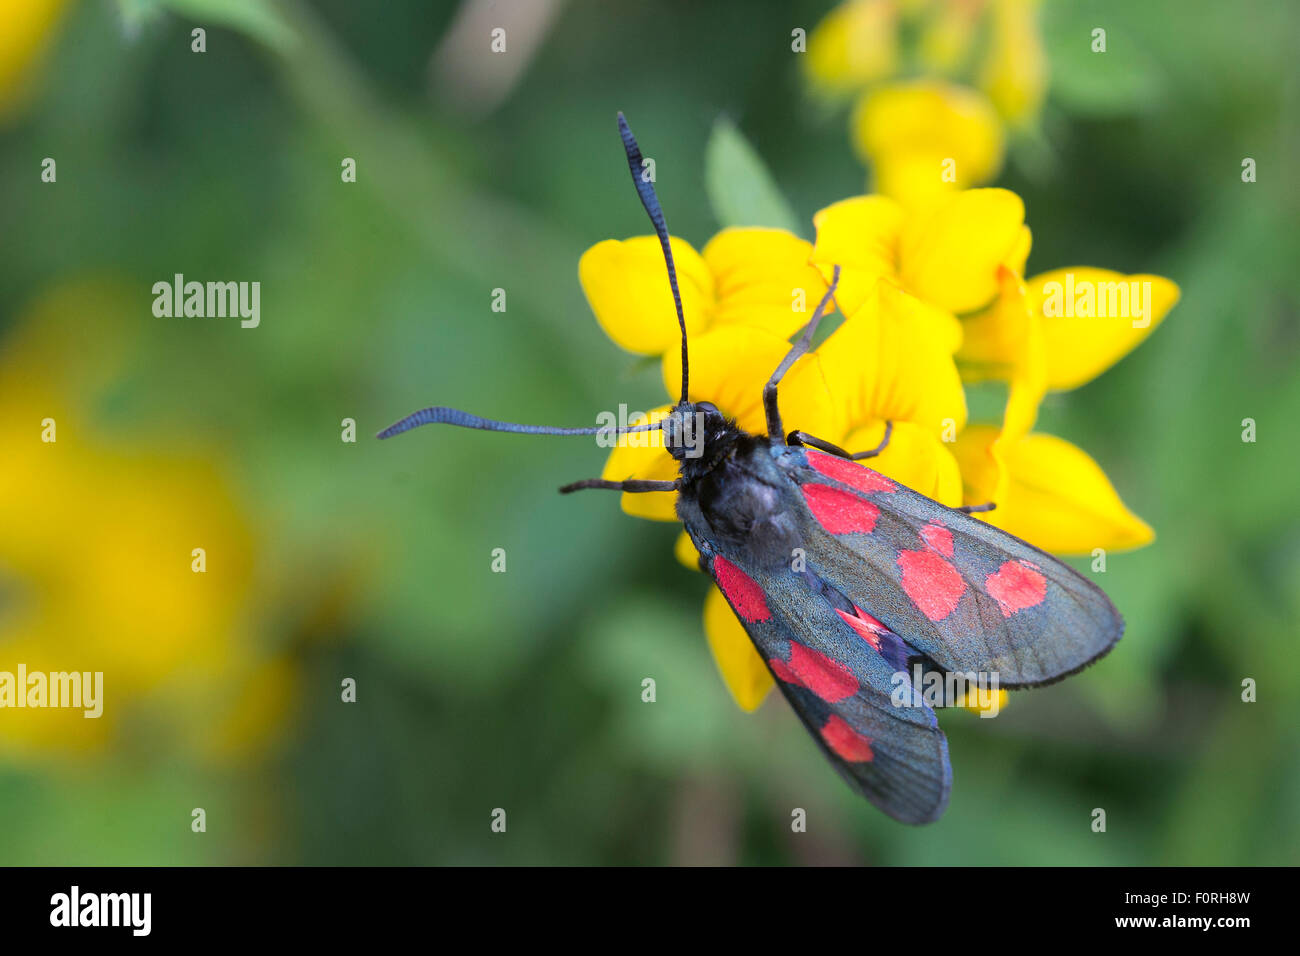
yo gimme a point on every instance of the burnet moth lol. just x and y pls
(855, 589)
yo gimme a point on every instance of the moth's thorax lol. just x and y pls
(739, 500)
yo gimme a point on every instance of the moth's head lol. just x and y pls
(696, 429)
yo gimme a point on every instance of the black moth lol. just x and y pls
(859, 593)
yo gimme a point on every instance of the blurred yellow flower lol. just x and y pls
(925, 291)
(936, 81)
(946, 31)
(854, 45)
(26, 29)
(926, 137)
(98, 554)
(1014, 73)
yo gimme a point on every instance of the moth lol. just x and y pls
(855, 589)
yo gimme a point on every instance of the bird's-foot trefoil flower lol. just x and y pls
(937, 85)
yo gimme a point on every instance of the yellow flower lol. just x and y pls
(948, 30)
(1014, 73)
(98, 550)
(29, 26)
(936, 81)
(946, 255)
(1056, 331)
(927, 137)
(855, 44)
(754, 277)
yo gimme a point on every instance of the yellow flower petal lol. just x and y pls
(980, 469)
(913, 457)
(946, 37)
(855, 44)
(949, 254)
(1006, 340)
(860, 235)
(1092, 318)
(1019, 254)
(731, 364)
(1057, 499)
(1029, 375)
(1015, 73)
(626, 284)
(912, 178)
(642, 455)
(891, 360)
(686, 553)
(741, 667)
(926, 137)
(990, 345)
(763, 279)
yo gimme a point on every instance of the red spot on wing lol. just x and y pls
(824, 676)
(868, 628)
(849, 472)
(840, 512)
(741, 590)
(938, 538)
(931, 582)
(1015, 586)
(846, 742)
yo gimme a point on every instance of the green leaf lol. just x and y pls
(1121, 81)
(741, 190)
(257, 19)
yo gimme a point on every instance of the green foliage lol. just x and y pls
(257, 19)
(741, 190)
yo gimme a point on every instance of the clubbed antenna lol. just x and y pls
(646, 190)
(442, 415)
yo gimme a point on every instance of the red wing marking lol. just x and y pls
(868, 628)
(847, 742)
(1015, 586)
(849, 472)
(741, 590)
(827, 678)
(840, 512)
(937, 538)
(931, 582)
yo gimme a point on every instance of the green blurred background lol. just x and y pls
(329, 560)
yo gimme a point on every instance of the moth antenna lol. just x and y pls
(646, 190)
(441, 415)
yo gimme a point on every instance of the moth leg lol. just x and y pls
(803, 438)
(971, 509)
(632, 485)
(884, 443)
(770, 407)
